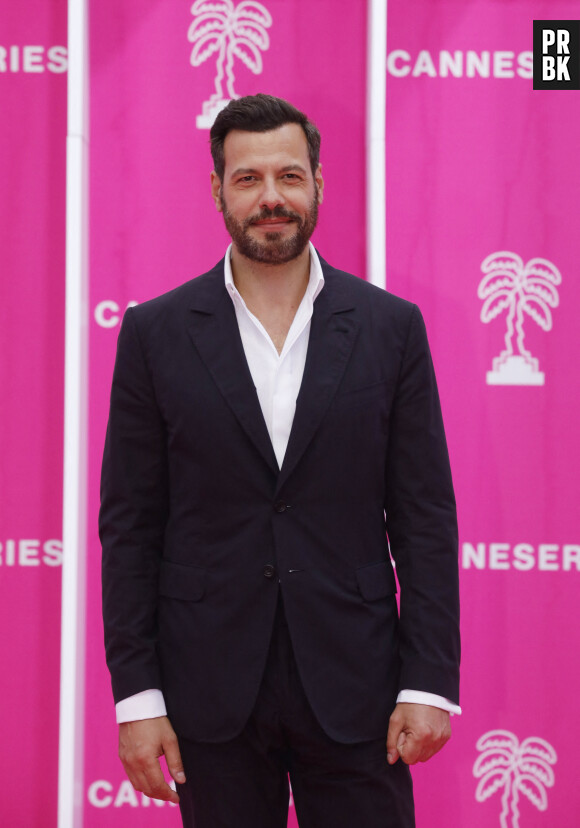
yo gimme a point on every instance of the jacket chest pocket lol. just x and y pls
(370, 397)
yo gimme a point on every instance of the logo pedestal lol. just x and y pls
(516, 370)
(210, 111)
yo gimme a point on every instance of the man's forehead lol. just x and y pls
(288, 140)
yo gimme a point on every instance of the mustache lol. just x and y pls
(277, 212)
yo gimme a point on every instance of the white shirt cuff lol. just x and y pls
(420, 697)
(149, 704)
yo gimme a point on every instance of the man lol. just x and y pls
(271, 421)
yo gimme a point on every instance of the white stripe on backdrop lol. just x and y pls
(71, 733)
(376, 179)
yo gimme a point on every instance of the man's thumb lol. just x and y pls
(392, 737)
(174, 763)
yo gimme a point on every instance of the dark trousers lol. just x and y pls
(244, 783)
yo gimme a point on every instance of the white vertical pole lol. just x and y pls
(375, 142)
(71, 741)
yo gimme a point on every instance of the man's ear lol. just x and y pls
(319, 183)
(216, 190)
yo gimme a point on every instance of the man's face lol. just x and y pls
(268, 195)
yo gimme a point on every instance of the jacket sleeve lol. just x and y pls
(132, 520)
(422, 525)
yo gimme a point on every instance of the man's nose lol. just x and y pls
(271, 195)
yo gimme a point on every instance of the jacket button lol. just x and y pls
(269, 571)
(280, 506)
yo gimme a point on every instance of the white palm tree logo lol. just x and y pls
(520, 289)
(231, 31)
(517, 769)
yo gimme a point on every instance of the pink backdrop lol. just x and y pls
(476, 166)
(32, 193)
(480, 168)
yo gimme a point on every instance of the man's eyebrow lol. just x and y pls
(243, 171)
(293, 168)
(252, 171)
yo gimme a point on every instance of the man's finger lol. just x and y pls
(157, 787)
(173, 759)
(408, 749)
(150, 781)
(136, 779)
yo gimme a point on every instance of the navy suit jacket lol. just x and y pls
(201, 530)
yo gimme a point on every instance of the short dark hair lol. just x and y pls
(260, 113)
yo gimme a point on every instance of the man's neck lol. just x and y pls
(272, 292)
(271, 285)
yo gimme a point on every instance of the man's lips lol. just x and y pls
(271, 222)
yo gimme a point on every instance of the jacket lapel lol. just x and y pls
(333, 332)
(216, 336)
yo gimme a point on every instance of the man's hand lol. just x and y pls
(140, 746)
(416, 733)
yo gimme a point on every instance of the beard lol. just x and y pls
(275, 249)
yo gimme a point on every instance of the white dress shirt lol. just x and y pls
(277, 378)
